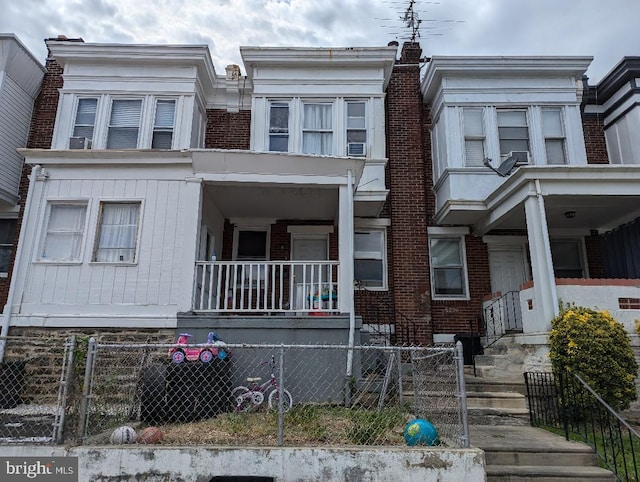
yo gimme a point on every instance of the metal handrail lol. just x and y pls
(497, 332)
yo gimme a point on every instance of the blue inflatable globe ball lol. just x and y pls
(421, 432)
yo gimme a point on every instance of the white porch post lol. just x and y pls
(191, 224)
(345, 247)
(545, 295)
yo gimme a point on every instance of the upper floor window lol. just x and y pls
(448, 267)
(473, 137)
(369, 258)
(279, 126)
(85, 118)
(317, 129)
(124, 124)
(513, 131)
(356, 129)
(163, 124)
(65, 232)
(554, 138)
(7, 235)
(117, 232)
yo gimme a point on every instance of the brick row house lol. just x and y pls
(326, 195)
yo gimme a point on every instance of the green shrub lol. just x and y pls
(593, 345)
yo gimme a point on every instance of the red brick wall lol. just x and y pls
(595, 261)
(228, 130)
(407, 204)
(594, 140)
(40, 136)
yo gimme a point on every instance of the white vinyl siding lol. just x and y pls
(474, 139)
(117, 233)
(64, 232)
(124, 124)
(554, 137)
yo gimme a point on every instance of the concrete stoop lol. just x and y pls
(528, 453)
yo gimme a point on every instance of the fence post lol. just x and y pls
(462, 395)
(563, 405)
(65, 379)
(83, 418)
(280, 397)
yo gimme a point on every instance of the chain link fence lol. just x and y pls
(273, 394)
(34, 389)
(240, 395)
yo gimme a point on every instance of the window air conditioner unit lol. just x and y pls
(79, 143)
(521, 157)
(356, 149)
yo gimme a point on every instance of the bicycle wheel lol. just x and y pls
(287, 400)
(240, 400)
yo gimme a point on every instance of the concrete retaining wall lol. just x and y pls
(198, 464)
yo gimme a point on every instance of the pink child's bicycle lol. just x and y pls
(250, 398)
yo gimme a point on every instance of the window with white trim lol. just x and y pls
(317, 128)
(279, 126)
(567, 257)
(474, 139)
(7, 235)
(124, 124)
(370, 258)
(64, 233)
(448, 267)
(117, 234)
(554, 137)
(85, 118)
(513, 131)
(356, 129)
(163, 124)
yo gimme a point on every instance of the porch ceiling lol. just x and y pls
(277, 202)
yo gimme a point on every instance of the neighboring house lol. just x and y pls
(20, 78)
(170, 197)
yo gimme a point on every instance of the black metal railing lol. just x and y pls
(565, 402)
(403, 330)
(501, 316)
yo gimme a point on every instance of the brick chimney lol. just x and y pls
(233, 72)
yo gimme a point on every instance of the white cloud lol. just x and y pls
(605, 30)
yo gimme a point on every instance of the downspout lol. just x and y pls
(26, 215)
(352, 315)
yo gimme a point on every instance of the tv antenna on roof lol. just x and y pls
(412, 20)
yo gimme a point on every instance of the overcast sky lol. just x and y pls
(604, 29)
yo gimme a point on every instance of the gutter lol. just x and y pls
(6, 317)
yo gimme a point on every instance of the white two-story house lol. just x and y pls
(172, 195)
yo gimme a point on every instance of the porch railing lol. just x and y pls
(502, 315)
(266, 286)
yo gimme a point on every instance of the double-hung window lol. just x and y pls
(124, 124)
(64, 232)
(7, 235)
(85, 118)
(473, 137)
(117, 232)
(163, 124)
(317, 128)
(369, 258)
(513, 131)
(356, 129)
(554, 138)
(448, 269)
(279, 126)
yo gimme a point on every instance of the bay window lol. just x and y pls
(117, 232)
(554, 138)
(317, 129)
(356, 129)
(513, 131)
(279, 127)
(85, 118)
(124, 124)
(163, 124)
(473, 137)
(64, 232)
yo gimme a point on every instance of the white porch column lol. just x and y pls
(545, 295)
(345, 246)
(191, 225)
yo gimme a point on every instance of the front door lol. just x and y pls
(308, 248)
(507, 268)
